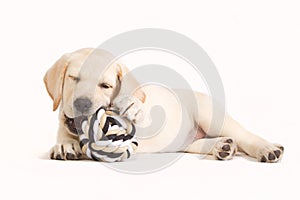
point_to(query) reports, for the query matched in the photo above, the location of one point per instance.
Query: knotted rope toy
(106, 136)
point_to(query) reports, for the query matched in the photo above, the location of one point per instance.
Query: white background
(254, 44)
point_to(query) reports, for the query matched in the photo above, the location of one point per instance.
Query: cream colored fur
(68, 80)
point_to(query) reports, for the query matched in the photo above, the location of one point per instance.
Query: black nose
(82, 104)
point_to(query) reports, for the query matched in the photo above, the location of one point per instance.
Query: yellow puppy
(80, 83)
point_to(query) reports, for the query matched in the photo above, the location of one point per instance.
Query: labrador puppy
(81, 82)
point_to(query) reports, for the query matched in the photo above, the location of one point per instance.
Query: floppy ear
(129, 85)
(54, 80)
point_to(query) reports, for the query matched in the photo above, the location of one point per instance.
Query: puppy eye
(105, 85)
(74, 78)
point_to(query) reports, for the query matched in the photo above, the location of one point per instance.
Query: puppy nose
(82, 104)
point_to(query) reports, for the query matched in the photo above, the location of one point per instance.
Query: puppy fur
(81, 82)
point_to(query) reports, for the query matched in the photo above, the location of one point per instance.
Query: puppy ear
(129, 85)
(54, 80)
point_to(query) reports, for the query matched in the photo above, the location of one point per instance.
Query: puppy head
(81, 81)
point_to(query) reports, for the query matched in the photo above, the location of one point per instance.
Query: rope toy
(106, 136)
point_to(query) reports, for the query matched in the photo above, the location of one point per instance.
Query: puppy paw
(66, 151)
(130, 107)
(225, 149)
(270, 153)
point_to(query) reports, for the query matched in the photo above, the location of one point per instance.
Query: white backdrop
(255, 46)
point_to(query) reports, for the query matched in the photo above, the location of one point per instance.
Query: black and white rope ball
(106, 136)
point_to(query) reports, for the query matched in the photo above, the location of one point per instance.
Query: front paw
(68, 150)
(270, 153)
(131, 108)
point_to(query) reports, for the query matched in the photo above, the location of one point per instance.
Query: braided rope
(107, 137)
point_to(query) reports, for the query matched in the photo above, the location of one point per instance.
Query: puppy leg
(67, 146)
(222, 148)
(252, 144)
(249, 143)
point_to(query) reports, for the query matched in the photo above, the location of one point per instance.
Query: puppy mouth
(75, 124)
